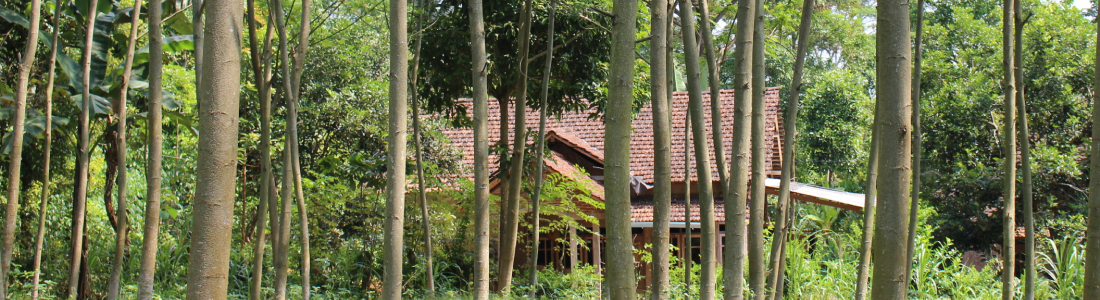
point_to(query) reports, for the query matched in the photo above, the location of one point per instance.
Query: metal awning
(820, 195)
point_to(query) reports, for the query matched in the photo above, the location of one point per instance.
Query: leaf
(100, 105)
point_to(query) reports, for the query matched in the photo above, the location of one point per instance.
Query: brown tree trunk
(1008, 246)
(481, 151)
(894, 118)
(44, 204)
(914, 204)
(509, 231)
(1025, 154)
(217, 153)
(12, 207)
(421, 192)
(757, 196)
(81, 193)
(779, 237)
(395, 158)
(662, 147)
(621, 283)
(538, 159)
(122, 239)
(261, 69)
(1092, 244)
(735, 191)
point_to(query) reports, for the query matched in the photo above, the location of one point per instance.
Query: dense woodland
(213, 149)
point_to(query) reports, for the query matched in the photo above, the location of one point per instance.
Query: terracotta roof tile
(584, 132)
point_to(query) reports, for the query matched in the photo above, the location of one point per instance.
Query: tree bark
(261, 70)
(735, 191)
(621, 283)
(716, 105)
(687, 207)
(914, 204)
(869, 207)
(758, 198)
(421, 192)
(395, 158)
(198, 36)
(1008, 247)
(481, 150)
(510, 230)
(707, 279)
(779, 236)
(1092, 240)
(300, 55)
(123, 238)
(12, 208)
(80, 198)
(1025, 154)
(662, 147)
(281, 258)
(893, 83)
(217, 153)
(44, 204)
(539, 157)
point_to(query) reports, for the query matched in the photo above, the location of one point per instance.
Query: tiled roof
(587, 133)
(642, 210)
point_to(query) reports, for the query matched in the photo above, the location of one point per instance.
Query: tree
(1008, 276)
(12, 207)
(261, 69)
(80, 198)
(757, 273)
(295, 90)
(280, 260)
(123, 237)
(736, 188)
(509, 213)
(620, 255)
(698, 128)
(481, 150)
(779, 236)
(48, 136)
(395, 159)
(539, 157)
(155, 141)
(869, 206)
(1026, 187)
(217, 153)
(421, 189)
(914, 204)
(1092, 261)
(894, 121)
(662, 145)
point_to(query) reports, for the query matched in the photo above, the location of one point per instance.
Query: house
(575, 141)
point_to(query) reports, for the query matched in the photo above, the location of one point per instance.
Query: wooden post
(572, 248)
(596, 259)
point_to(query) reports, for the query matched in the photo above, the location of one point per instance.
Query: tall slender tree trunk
(662, 147)
(783, 253)
(217, 159)
(894, 118)
(510, 230)
(914, 204)
(1025, 154)
(80, 198)
(300, 55)
(707, 279)
(123, 238)
(481, 150)
(1092, 240)
(12, 208)
(735, 191)
(621, 283)
(779, 235)
(282, 251)
(395, 158)
(155, 140)
(758, 198)
(261, 70)
(1008, 247)
(869, 207)
(421, 192)
(198, 36)
(716, 104)
(44, 204)
(687, 207)
(544, 93)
